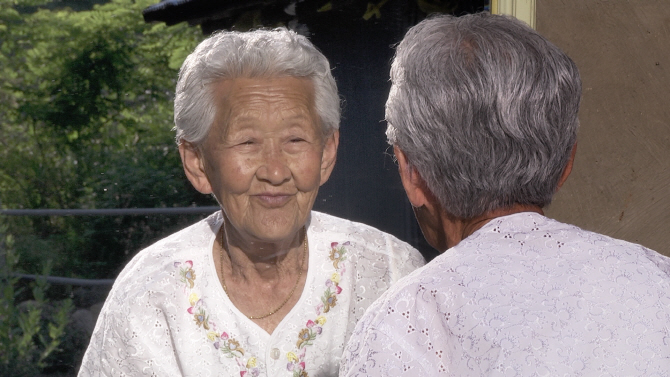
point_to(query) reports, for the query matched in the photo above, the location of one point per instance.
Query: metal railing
(109, 211)
(98, 212)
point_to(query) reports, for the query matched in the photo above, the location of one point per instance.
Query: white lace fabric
(523, 296)
(167, 314)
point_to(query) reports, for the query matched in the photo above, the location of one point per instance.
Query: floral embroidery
(314, 328)
(296, 365)
(223, 342)
(308, 334)
(329, 300)
(201, 319)
(251, 362)
(187, 274)
(231, 348)
(338, 254)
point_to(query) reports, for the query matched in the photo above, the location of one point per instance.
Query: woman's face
(265, 156)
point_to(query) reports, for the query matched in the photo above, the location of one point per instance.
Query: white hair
(485, 109)
(256, 54)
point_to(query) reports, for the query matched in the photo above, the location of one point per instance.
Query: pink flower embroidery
(314, 328)
(225, 343)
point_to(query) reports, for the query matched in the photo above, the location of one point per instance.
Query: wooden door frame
(521, 9)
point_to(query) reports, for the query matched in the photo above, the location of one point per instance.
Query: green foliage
(29, 335)
(85, 120)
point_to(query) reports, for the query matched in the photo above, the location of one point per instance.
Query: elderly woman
(482, 115)
(266, 286)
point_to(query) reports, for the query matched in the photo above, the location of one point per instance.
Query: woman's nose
(274, 168)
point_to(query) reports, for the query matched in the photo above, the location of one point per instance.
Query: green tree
(85, 120)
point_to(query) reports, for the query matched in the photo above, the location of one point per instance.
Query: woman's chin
(275, 228)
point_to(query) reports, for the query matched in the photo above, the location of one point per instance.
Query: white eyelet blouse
(167, 314)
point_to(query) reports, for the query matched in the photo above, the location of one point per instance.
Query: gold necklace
(302, 264)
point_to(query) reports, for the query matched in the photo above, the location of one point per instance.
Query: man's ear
(194, 167)
(568, 167)
(415, 186)
(329, 155)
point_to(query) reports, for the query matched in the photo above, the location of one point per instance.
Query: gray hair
(256, 54)
(485, 109)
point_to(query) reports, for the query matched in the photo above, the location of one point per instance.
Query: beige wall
(620, 184)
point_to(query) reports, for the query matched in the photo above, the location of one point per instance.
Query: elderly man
(482, 116)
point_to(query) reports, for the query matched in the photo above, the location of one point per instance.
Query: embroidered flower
(304, 337)
(337, 254)
(231, 348)
(329, 300)
(334, 253)
(188, 274)
(298, 368)
(224, 342)
(234, 345)
(314, 328)
(251, 362)
(192, 299)
(254, 372)
(201, 319)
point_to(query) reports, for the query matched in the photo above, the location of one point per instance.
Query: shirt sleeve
(377, 353)
(395, 338)
(130, 340)
(404, 260)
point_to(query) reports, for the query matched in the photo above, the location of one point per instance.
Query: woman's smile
(273, 200)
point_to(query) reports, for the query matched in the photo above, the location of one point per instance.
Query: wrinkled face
(265, 156)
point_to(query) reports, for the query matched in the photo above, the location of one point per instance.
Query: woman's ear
(414, 185)
(194, 167)
(329, 155)
(568, 167)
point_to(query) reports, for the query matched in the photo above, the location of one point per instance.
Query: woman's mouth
(273, 200)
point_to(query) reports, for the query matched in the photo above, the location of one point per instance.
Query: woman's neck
(253, 259)
(456, 229)
(264, 280)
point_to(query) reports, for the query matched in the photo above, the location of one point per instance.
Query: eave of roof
(194, 11)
